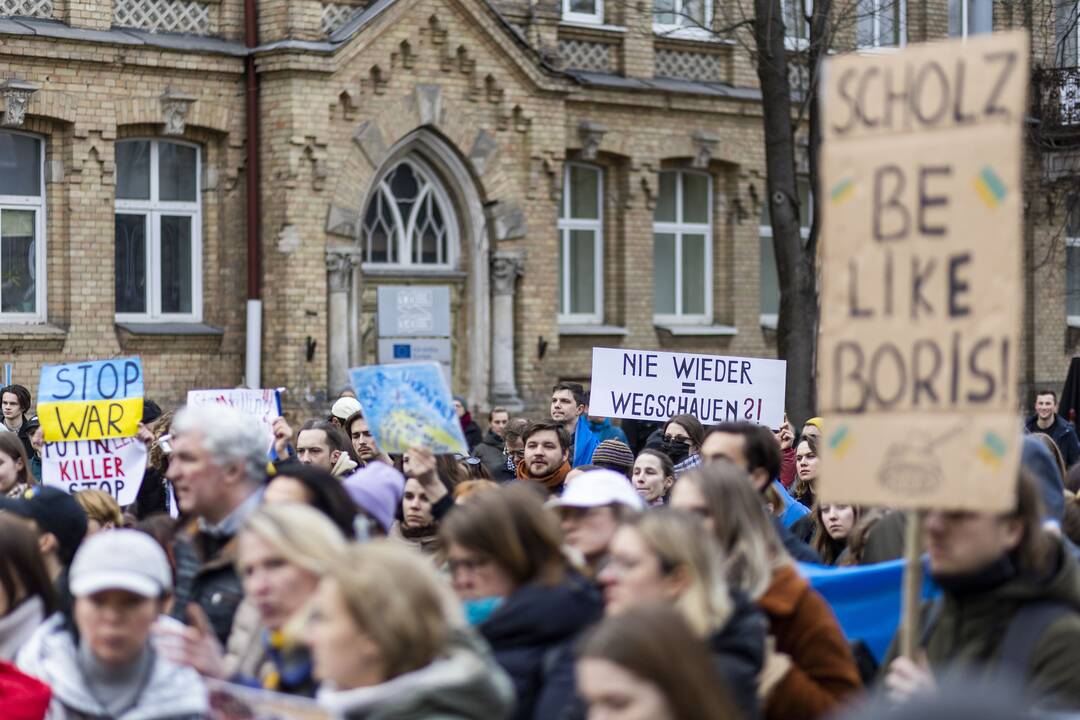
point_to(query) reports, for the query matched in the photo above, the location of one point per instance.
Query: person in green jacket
(1010, 605)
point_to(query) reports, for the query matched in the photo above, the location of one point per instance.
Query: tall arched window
(409, 220)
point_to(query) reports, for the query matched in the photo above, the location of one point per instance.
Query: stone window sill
(39, 336)
(769, 321)
(572, 25)
(700, 330)
(166, 337)
(414, 273)
(1073, 321)
(593, 330)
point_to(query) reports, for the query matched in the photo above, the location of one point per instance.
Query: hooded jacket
(464, 685)
(490, 452)
(172, 692)
(532, 634)
(1063, 434)
(738, 650)
(823, 670)
(969, 631)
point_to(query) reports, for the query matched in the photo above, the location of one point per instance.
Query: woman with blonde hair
(397, 650)
(666, 556)
(102, 511)
(283, 550)
(811, 669)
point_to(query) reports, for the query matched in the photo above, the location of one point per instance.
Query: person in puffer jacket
(99, 661)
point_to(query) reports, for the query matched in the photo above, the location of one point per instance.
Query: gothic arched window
(409, 220)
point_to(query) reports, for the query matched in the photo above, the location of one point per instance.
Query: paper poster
(650, 385)
(91, 400)
(115, 466)
(238, 702)
(407, 405)
(921, 261)
(263, 406)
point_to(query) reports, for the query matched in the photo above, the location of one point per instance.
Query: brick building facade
(573, 174)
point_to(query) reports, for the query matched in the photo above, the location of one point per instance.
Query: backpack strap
(1026, 628)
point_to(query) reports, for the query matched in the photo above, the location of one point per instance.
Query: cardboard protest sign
(408, 404)
(649, 385)
(262, 406)
(91, 400)
(921, 274)
(114, 466)
(239, 702)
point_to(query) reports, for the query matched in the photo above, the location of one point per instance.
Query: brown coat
(823, 670)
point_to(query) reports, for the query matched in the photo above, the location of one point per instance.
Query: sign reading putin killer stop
(91, 400)
(921, 290)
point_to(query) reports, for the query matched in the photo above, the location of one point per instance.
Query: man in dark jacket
(217, 466)
(469, 428)
(1046, 420)
(1010, 604)
(491, 450)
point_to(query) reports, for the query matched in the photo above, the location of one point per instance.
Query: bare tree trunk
(796, 331)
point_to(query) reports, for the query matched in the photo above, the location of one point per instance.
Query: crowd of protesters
(564, 568)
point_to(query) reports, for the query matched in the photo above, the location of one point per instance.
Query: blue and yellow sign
(91, 400)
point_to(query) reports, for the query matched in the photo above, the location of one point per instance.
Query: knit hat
(816, 422)
(377, 489)
(613, 454)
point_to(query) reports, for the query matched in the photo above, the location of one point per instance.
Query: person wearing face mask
(591, 509)
(646, 664)
(653, 476)
(283, 550)
(386, 641)
(99, 661)
(522, 593)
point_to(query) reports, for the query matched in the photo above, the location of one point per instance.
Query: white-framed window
(796, 25)
(583, 11)
(970, 17)
(682, 248)
(1072, 261)
(1067, 32)
(682, 17)
(22, 227)
(769, 278)
(158, 231)
(581, 245)
(880, 24)
(409, 220)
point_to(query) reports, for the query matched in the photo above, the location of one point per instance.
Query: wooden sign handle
(912, 599)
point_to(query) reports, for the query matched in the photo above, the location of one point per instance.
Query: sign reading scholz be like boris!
(921, 288)
(647, 385)
(91, 400)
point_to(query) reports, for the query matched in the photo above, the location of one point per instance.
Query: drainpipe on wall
(253, 349)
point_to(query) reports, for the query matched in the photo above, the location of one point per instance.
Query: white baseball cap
(596, 488)
(120, 560)
(344, 408)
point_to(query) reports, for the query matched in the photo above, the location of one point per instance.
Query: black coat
(490, 452)
(738, 650)
(1063, 434)
(532, 635)
(473, 434)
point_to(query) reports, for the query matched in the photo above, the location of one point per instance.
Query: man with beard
(547, 452)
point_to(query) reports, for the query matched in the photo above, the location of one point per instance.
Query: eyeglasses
(516, 454)
(677, 438)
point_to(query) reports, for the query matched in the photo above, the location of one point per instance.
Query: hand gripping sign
(91, 400)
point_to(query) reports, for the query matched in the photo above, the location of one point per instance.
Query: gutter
(253, 336)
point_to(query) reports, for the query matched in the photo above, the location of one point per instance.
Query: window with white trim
(409, 221)
(1067, 33)
(583, 11)
(796, 25)
(581, 245)
(670, 16)
(970, 17)
(22, 227)
(769, 278)
(880, 23)
(158, 231)
(1072, 261)
(682, 248)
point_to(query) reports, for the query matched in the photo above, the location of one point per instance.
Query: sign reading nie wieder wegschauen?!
(651, 385)
(921, 258)
(91, 400)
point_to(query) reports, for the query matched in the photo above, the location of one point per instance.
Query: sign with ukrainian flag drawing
(408, 404)
(91, 400)
(921, 258)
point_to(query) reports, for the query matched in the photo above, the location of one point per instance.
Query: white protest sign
(652, 385)
(263, 406)
(113, 465)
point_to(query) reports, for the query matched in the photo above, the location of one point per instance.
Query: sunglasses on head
(467, 459)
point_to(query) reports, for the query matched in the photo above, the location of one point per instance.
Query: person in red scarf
(547, 453)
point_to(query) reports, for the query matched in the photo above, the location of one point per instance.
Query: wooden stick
(912, 601)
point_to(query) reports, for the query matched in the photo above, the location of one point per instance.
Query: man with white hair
(217, 467)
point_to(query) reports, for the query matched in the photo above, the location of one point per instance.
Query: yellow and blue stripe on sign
(91, 400)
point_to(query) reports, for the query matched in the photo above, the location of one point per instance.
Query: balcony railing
(1057, 100)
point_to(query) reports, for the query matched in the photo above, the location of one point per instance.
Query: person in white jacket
(100, 662)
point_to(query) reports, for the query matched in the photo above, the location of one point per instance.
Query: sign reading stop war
(112, 466)
(91, 400)
(648, 385)
(921, 287)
